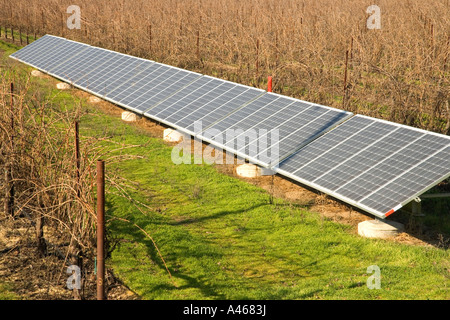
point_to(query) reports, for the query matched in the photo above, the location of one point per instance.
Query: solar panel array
(188, 101)
(375, 165)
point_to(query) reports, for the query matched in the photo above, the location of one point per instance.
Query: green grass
(222, 238)
(230, 243)
(6, 292)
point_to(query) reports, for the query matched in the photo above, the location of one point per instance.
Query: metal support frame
(435, 195)
(416, 207)
(416, 204)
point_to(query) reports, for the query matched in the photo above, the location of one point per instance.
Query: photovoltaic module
(375, 165)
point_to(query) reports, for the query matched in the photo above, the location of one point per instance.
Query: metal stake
(100, 230)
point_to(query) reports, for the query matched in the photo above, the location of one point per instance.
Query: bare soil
(44, 277)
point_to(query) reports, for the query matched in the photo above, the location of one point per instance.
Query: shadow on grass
(180, 253)
(185, 250)
(224, 213)
(218, 215)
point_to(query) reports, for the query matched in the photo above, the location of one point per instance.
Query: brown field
(399, 72)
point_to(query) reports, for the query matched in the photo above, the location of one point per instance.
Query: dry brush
(320, 50)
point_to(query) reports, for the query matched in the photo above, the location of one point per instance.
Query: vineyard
(197, 232)
(319, 51)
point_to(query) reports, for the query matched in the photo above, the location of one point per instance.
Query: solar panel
(207, 100)
(296, 123)
(219, 107)
(373, 164)
(77, 68)
(104, 69)
(243, 118)
(60, 54)
(127, 92)
(38, 46)
(49, 51)
(29, 50)
(105, 79)
(124, 77)
(184, 101)
(152, 92)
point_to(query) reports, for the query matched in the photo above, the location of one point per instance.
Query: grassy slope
(222, 239)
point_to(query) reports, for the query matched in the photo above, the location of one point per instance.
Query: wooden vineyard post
(198, 44)
(150, 37)
(345, 80)
(257, 57)
(9, 183)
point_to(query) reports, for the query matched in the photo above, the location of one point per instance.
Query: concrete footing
(171, 135)
(248, 170)
(381, 229)
(130, 116)
(36, 73)
(94, 99)
(63, 86)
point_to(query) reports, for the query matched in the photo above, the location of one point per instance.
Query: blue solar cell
(187, 99)
(272, 127)
(153, 72)
(38, 46)
(160, 88)
(77, 68)
(49, 52)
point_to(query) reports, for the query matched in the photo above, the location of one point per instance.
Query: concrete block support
(379, 229)
(171, 135)
(63, 86)
(248, 170)
(130, 116)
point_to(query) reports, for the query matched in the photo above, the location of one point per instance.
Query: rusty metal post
(100, 230)
(77, 157)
